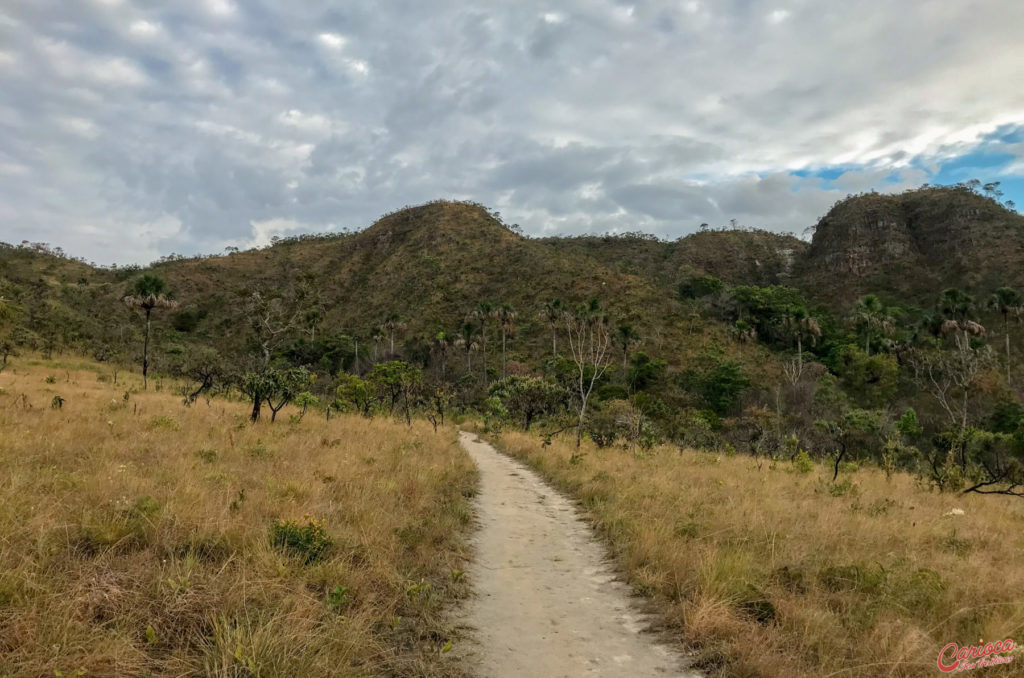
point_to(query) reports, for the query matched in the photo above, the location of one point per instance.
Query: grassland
(763, 570)
(137, 536)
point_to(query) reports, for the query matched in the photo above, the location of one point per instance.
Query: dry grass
(135, 537)
(769, 572)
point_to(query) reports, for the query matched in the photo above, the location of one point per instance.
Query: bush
(802, 462)
(309, 541)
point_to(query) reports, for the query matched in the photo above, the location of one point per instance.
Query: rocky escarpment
(912, 245)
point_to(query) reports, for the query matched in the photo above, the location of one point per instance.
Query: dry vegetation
(764, 570)
(136, 536)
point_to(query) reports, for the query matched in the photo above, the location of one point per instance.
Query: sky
(131, 129)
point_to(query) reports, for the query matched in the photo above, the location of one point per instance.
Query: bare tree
(590, 345)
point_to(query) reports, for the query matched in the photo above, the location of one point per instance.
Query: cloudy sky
(135, 128)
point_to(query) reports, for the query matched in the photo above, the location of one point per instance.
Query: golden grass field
(135, 536)
(761, 570)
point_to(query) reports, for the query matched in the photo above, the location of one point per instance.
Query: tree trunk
(1006, 334)
(503, 352)
(483, 349)
(554, 343)
(145, 354)
(257, 406)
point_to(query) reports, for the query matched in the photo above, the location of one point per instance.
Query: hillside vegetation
(140, 537)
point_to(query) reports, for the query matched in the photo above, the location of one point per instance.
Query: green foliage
(907, 424)
(767, 308)
(149, 285)
(355, 394)
(718, 380)
(528, 398)
(339, 598)
(697, 286)
(802, 462)
(308, 540)
(644, 370)
(870, 380)
(1006, 417)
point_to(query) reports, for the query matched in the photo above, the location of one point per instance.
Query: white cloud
(144, 29)
(332, 40)
(228, 116)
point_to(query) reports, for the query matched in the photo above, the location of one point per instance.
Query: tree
(482, 312)
(506, 321)
(589, 343)
(552, 313)
(440, 346)
(697, 286)
(393, 324)
(626, 338)
(204, 367)
(873, 320)
(150, 293)
(854, 426)
(286, 385)
(956, 305)
(1005, 301)
(467, 342)
(529, 397)
(397, 381)
(7, 313)
(799, 325)
(356, 393)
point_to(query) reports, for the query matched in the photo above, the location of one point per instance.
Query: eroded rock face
(912, 244)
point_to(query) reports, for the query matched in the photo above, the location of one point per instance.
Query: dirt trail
(547, 604)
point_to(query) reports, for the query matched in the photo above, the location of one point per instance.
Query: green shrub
(309, 540)
(802, 462)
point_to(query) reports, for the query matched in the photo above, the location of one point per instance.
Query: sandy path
(547, 604)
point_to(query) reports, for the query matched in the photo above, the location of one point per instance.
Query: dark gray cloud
(134, 128)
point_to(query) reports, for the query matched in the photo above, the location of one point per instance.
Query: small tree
(150, 293)
(589, 343)
(356, 393)
(286, 385)
(529, 397)
(482, 313)
(398, 382)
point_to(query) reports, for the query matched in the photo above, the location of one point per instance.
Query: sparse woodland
(597, 359)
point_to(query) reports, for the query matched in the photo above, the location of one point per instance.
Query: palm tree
(799, 325)
(507, 322)
(956, 304)
(393, 324)
(626, 338)
(1006, 300)
(552, 313)
(442, 342)
(957, 307)
(482, 312)
(873, 319)
(378, 338)
(467, 340)
(150, 293)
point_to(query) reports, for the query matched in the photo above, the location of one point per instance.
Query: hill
(911, 245)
